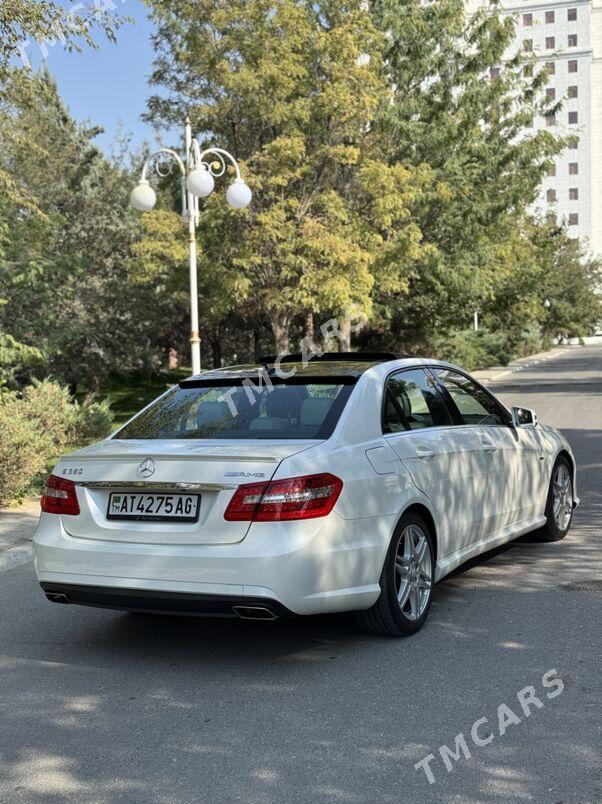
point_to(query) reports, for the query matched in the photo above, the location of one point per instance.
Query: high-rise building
(566, 37)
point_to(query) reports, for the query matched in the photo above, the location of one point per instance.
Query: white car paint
(481, 485)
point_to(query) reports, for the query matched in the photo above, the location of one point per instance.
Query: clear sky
(109, 86)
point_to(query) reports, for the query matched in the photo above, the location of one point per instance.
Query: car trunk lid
(212, 470)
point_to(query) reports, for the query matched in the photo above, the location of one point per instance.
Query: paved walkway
(17, 525)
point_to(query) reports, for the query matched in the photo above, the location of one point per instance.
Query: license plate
(154, 507)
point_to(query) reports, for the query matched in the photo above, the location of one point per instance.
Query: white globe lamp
(239, 194)
(200, 182)
(143, 197)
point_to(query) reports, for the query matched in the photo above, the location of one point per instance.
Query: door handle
(425, 453)
(489, 446)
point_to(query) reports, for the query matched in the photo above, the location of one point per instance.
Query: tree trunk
(280, 327)
(216, 350)
(309, 325)
(345, 329)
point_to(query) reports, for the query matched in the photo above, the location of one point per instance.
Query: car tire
(406, 582)
(558, 519)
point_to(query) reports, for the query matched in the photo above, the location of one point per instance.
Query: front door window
(474, 404)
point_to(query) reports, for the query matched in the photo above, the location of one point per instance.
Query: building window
(573, 91)
(573, 143)
(550, 68)
(494, 73)
(551, 171)
(551, 196)
(574, 193)
(550, 120)
(571, 14)
(572, 65)
(550, 43)
(527, 20)
(573, 168)
(549, 17)
(573, 118)
(573, 219)
(550, 93)
(528, 44)
(572, 40)
(551, 218)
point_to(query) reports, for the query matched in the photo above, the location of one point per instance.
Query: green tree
(570, 281)
(292, 89)
(45, 22)
(463, 107)
(63, 273)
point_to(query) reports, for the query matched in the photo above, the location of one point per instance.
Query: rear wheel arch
(424, 512)
(407, 577)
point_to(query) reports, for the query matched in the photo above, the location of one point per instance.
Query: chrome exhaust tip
(254, 613)
(57, 597)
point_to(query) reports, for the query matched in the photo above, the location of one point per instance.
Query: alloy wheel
(413, 572)
(562, 496)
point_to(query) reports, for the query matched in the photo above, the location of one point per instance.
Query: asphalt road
(97, 706)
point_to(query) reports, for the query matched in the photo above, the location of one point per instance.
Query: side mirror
(523, 417)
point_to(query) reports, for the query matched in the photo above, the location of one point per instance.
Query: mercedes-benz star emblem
(146, 468)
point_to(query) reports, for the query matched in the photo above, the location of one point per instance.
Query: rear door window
(413, 402)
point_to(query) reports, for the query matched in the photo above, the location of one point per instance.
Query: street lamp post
(198, 171)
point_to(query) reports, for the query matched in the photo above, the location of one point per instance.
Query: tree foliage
(63, 274)
(392, 171)
(46, 22)
(471, 128)
(293, 88)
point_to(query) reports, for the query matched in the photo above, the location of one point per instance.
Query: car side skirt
(449, 563)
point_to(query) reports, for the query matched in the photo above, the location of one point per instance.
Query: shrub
(474, 350)
(94, 421)
(22, 450)
(39, 424)
(528, 342)
(49, 405)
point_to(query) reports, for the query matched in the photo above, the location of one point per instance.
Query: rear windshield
(243, 411)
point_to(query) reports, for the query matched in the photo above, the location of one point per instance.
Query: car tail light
(279, 500)
(59, 497)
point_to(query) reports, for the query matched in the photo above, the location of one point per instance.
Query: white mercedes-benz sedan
(352, 482)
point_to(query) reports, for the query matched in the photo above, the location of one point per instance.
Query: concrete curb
(17, 526)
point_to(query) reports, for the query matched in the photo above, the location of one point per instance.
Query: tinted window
(474, 404)
(243, 412)
(413, 402)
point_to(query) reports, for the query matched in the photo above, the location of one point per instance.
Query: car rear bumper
(308, 567)
(152, 601)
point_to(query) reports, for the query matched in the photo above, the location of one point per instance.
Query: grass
(128, 395)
